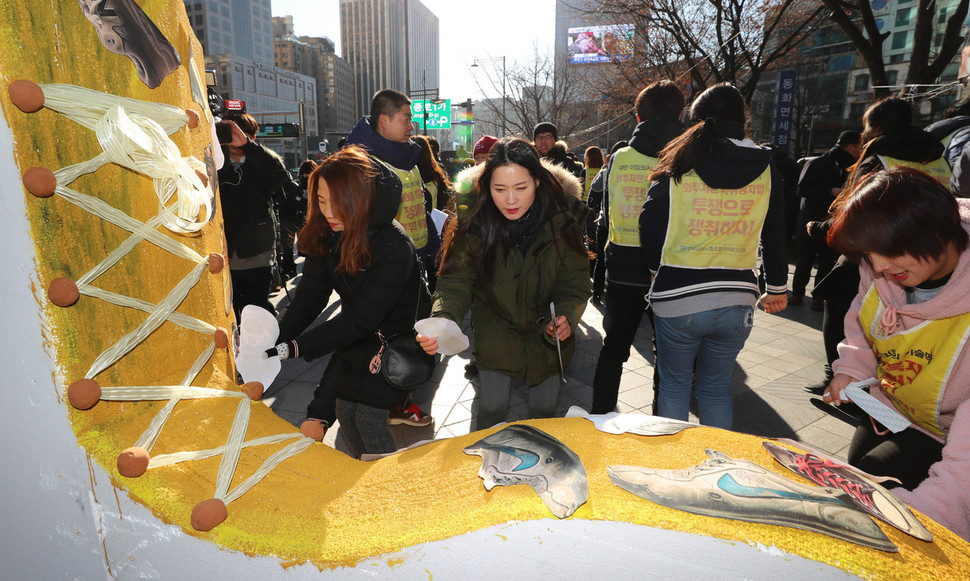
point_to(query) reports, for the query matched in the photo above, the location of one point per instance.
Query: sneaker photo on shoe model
(409, 416)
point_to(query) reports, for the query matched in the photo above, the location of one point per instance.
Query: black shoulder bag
(401, 361)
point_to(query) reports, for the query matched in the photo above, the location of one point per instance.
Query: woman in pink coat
(908, 327)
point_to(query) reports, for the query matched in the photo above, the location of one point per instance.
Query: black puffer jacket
(246, 195)
(819, 177)
(384, 295)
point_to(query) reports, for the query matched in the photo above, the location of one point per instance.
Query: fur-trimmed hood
(467, 180)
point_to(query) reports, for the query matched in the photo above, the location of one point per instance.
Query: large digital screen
(600, 44)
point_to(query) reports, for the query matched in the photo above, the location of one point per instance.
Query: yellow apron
(915, 364)
(938, 168)
(715, 228)
(433, 190)
(589, 174)
(411, 213)
(629, 181)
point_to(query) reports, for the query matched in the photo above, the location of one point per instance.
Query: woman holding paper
(908, 327)
(520, 249)
(355, 248)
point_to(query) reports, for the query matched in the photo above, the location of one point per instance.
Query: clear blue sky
(468, 30)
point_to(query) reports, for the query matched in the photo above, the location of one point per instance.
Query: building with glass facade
(242, 28)
(390, 44)
(237, 39)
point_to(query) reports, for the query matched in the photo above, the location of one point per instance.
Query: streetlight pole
(505, 129)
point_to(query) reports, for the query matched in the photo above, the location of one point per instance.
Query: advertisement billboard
(600, 44)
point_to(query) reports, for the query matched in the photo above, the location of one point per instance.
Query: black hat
(545, 127)
(848, 138)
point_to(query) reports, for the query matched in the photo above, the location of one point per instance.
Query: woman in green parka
(520, 249)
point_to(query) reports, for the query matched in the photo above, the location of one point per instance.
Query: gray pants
(494, 393)
(364, 428)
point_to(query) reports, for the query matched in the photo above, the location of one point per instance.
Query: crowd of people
(689, 222)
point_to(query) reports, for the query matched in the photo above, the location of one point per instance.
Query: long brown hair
(349, 175)
(887, 116)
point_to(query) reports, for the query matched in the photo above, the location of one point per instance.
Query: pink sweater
(945, 495)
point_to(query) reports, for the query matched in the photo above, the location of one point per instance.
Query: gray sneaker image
(125, 29)
(742, 490)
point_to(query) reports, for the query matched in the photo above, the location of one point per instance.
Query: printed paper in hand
(885, 415)
(451, 341)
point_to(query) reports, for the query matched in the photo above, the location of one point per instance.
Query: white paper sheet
(451, 341)
(885, 415)
(258, 332)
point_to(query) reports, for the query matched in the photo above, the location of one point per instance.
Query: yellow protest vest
(629, 180)
(938, 168)
(589, 176)
(915, 364)
(432, 188)
(715, 228)
(411, 213)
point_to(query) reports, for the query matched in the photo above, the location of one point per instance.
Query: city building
(389, 44)
(273, 95)
(242, 28)
(316, 57)
(583, 27)
(833, 87)
(336, 92)
(899, 19)
(237, 40)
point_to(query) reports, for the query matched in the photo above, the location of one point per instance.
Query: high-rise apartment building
(242, 28)
(237, 40)
(389, 44)
(316, 57)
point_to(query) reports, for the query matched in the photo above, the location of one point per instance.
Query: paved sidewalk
(783, 354)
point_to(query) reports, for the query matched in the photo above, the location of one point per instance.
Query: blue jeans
(711, 338)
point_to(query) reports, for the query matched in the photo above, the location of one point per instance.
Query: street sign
(784, 105)
(438, 112)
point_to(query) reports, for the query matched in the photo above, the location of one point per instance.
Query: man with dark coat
(625, 183)
(544, 136)
(821, 181)
(954, 132)
(248, 181)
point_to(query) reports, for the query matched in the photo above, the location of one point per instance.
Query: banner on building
(784, 110)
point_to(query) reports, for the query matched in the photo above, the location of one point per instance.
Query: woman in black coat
(354, 247)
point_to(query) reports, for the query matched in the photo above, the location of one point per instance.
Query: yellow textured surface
(319, 506)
